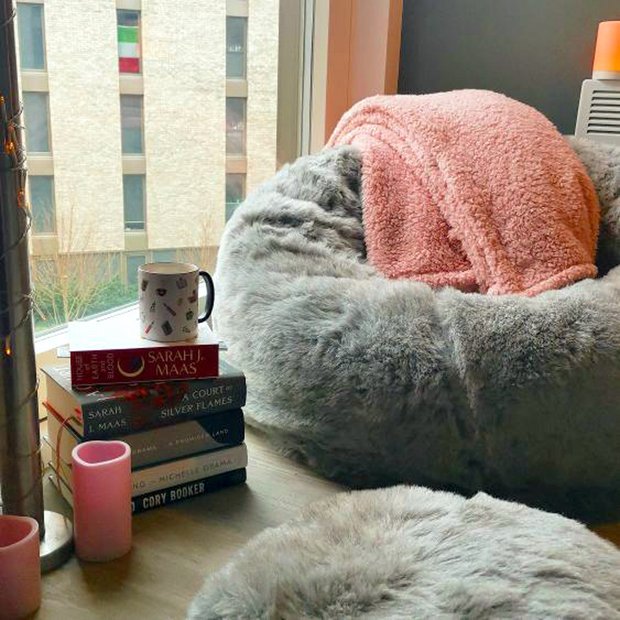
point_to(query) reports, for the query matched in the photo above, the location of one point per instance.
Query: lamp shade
(607, 54)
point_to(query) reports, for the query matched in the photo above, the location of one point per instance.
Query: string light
(29, 456)
(21, 470)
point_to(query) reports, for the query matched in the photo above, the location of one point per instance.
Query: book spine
(180, 492)
(170, 474)
(220, 430)
(123, 416)
(118, 366)
(172, 495)
(205, 434)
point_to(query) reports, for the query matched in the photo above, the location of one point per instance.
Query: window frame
(129, 255)
(142, 178)
(293, 64)
(236, 132)
(41, 5)
(54, 225)
(170, 255)
(231, 206)
(243, 53)
(120, 9)
(139, 98)
(48, 124)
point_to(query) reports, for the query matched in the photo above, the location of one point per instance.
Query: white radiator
(598, 117)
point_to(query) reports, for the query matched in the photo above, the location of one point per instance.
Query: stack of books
(181, 414)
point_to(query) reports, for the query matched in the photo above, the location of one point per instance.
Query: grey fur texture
(408, 552)
(375, 382)
(602, 162)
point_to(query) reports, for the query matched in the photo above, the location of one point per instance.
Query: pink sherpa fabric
(471, 189)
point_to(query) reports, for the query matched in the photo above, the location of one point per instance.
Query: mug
(169, 301)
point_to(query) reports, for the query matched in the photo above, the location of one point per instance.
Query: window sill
(131, 84)
(133, 164)
(136, 241)
(44, 244)
(59, 337)
(40, 164)
(46, 345)
(236, 164)
(34, 80)
(236, 87)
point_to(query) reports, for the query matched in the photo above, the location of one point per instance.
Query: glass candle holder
(101, 472)
(20, 567)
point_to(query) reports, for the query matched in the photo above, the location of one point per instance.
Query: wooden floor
(176, 546)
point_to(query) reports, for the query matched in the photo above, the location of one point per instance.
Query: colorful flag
(128, 49)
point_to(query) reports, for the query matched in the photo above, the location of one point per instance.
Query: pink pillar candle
(20, 567)
(101, 473)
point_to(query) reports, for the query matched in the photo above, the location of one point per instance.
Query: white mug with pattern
(169, 300)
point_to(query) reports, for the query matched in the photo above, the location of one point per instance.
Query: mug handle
(210, 295)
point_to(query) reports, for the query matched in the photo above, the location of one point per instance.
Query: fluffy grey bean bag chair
(408, 552)
(374, 381)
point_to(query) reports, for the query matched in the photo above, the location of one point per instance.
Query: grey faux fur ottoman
(375, 382)
(408, 552)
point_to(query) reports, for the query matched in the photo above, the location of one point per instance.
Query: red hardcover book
(105, 355)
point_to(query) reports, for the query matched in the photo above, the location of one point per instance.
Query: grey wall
(537, 51)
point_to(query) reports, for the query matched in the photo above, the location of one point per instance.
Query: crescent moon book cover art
(101, 356)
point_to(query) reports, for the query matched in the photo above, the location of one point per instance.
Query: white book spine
(173, 473)
(187, 470)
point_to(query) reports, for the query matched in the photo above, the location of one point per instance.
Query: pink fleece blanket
(471, 189)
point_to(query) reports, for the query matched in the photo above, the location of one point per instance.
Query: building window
(133, 201)
(236, 43)
(131, 124)
(133, 261)
(30, 32)
(36, 122)
(128, 37)
(164, 256)
(235, 192)
(42, 204)
(235, 126)
(186, 82)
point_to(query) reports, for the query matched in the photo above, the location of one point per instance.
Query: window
(131, 124)
(235, 126)
(133, 262)
(236, 37)
(36, 122)
(128, 37)
(42, 204)
(163, 82)
(235, 192)
(30, 32)
(164, 256)
(133, 201)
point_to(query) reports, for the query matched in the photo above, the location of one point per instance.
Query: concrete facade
(184, 121)
(262, 90)
(184, 87)
(82, 68)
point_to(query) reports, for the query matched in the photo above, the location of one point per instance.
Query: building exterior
(146, 122)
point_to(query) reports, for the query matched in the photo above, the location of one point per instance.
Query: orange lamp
(598, 116)
(607, 54)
